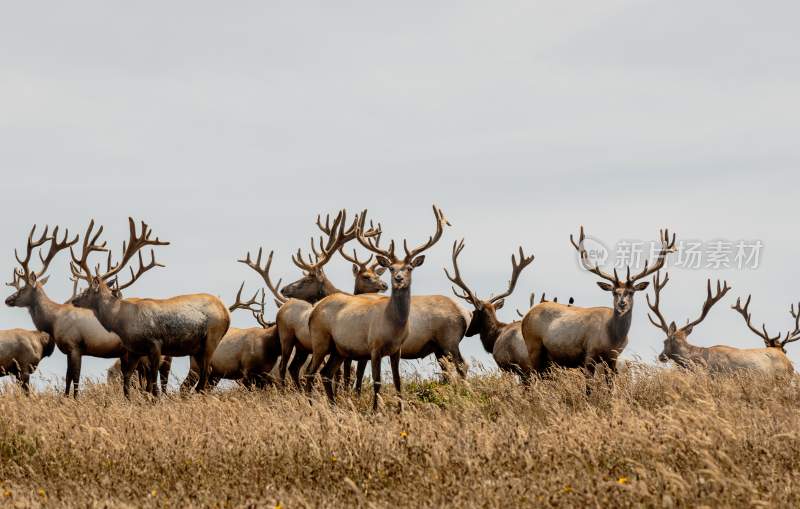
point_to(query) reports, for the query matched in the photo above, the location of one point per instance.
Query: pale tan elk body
(717, 358)
(296, 300)
(244, 355)
(76, 331)
(577, 337)
(368, 327)
(21, 351)
(503, 340)
(190, 325)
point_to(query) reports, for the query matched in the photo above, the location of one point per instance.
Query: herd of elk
(333, 327)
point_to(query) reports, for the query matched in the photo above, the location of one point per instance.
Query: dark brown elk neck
(327, 288)
(109, 313)
(44, 311)
(619, 326)
(48, 342)
(491, 330)
(399, 306)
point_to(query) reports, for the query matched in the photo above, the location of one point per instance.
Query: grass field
(658, 438)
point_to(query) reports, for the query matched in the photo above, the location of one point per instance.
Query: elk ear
(499, 304)
(383, 261)
(672, 329)
(641, 286)
(95, 283)
(356, 268)
(32, 278)
(419, 260)
(688, 329)
(44, 280)
(380, 270)
(605, 286)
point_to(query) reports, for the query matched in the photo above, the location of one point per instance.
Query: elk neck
(399, 306)
(326, 288)
(44, 311)
(492, 327)
(48, 343)
(108, 312)
(619, 326)
(690, 354)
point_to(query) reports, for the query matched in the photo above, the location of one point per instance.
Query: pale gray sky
(229, 127)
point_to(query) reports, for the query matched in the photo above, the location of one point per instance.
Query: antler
(354, 259)
(264, 273)
(16, 281)
(337, 236)
(56, 247)
(667, 247)
(769, 341)
(516, 270)
(585, 259)
(253, 305)
(795, 334)
(441, 221)
(710, 301)
(466, 294)
(658, 285)
(88, 247)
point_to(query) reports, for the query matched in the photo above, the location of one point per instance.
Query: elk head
(105, 288)
(400, 269)
(368, 277)
(676, 345)
(623, 291)
(770, 341)
(314, 284)
(27, 281)
(485, 310)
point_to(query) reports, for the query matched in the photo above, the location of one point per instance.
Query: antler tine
(29, 247)
(56, 247)
(441, 221)
(516, 270)
(467, 294)
(142, 269)
(372, 243)
(658, 285)
(745, 312)
(133, 246)
(335, 234)
(585, 259)
(264, 273)
(667, 246)
(89, 245)
(793, 335)
(354, 259)
(710, 301)
(16, 281)
(248, 305)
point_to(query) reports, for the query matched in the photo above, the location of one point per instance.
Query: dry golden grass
(657, 438)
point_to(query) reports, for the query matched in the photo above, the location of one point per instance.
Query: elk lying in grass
(21, 351)
(368, 327)
(76, 332)
(296, 300)
(718, 358)
(503, 340)
(577, 337)
(772, 342)
(190, 325)
(244, 355)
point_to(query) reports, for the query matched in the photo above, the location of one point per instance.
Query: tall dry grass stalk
(657, 438)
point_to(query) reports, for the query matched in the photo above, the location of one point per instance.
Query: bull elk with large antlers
(503, 340)
(189, 325)
(578, 337)
(76, 332)
(717, 358)
(296, 300)
(368, 327)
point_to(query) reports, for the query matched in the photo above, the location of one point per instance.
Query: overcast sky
(229, 127)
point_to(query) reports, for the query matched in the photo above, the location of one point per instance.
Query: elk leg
(332, 367)
(163, 373)
(69, 376)
(204, 362)
(152, 372)
(395, 363)
(348, 369)
(316, 362)
(24, 378)
(74, 359)
(287, 345)
(361, 366)
(128, 363)
(191, 378)
(375, 359)
(299, 359)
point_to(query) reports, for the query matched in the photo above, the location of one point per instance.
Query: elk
(770, 341)
(190, 325)
(368, 327)
(718, 358)
(245, 355)
(296, 300)
(578, 337)
(21, 351)
(503, 340)
(76, 332)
